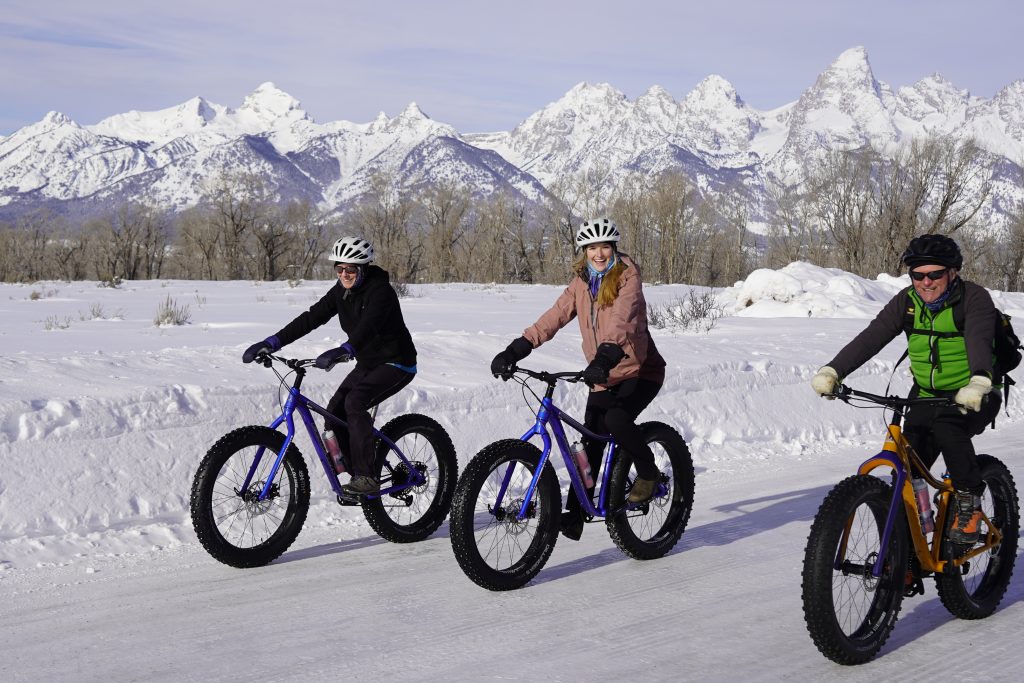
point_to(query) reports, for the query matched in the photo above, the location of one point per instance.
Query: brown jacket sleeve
(556, 317)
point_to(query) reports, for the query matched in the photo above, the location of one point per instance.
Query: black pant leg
(354, 398)
(932, 430)
(614, 411)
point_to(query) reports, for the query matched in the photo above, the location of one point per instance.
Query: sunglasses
(347, 270)
(933, 275)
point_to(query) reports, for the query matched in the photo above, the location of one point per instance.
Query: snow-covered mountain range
(169, 156)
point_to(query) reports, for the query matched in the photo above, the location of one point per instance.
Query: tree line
(856, 211)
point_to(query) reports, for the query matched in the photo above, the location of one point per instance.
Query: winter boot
(571, 524)
(361, 486)
(642, 490)
(966, 518)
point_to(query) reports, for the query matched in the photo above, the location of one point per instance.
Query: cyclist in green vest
(944, 360)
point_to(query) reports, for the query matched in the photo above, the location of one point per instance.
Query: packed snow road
(725, 605)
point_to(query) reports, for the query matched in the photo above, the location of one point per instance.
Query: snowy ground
(104, 417)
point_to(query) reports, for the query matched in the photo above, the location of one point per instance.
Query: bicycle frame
(899, 455)
(552, 416)
(297, 402)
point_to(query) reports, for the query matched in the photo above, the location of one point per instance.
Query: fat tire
(977, 593)
(823, 585)
(293, 478)
(433, 500)
(473, 497)
(633, 531)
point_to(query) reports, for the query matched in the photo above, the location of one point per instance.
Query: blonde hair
(609, 283)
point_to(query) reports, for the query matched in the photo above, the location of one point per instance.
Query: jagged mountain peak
(713, 92)
(931, 98)
(268, 103)
(850, 70)
(412, 111)
(656, 92)
(161, 125)
(56, 118)
(1013, 92)
(586, 89)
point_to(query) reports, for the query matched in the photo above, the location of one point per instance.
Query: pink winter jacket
(623, 323)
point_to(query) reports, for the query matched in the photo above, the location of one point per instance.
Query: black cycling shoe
(571, 525)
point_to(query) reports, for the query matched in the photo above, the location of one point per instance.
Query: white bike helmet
(596, 230)
(352, 250)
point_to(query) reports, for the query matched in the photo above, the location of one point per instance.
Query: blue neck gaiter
(936, 305)
(596, 276)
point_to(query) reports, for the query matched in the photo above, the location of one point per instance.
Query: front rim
(501, 538)
(238, 516)
(857, 596)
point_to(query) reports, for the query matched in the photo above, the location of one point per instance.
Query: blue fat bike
(507, 506)
(250, 495)
(869, 545)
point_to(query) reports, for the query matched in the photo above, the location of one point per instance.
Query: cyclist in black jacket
(367, 307)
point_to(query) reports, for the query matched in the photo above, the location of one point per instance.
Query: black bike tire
(981, 601)
(293, 473)
(818, 589)
(462, 524)
(681, 496)
(447, 473)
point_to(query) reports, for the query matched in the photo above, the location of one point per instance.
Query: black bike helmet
(937, 249)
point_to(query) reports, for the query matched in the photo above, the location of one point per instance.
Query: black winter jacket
(369, 314)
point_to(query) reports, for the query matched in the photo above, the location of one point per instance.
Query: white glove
(970, 396)
(825, 381)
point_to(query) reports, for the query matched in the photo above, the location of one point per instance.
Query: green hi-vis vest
(938, 352)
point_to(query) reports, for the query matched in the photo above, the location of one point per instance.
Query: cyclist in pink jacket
(625, 370)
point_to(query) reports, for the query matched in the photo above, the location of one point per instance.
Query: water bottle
(334, 451)
(582, 463)
(924, 505)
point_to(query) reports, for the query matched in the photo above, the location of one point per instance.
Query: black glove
(503, 363)
(607, 357)
(268, 345)
(331, 357)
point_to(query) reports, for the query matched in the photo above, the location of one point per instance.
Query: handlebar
(267, 359)
(550, 378)
(846, 394)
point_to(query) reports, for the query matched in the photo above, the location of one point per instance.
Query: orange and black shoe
(966, 518)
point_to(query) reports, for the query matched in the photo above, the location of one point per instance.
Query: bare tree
(384, 216)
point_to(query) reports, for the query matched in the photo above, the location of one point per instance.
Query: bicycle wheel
(849, 613)
(651, 529)
(975, 589)
(230, 523)
(495, 549)
(413, 513)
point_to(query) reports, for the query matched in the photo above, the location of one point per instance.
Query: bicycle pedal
(349, 500)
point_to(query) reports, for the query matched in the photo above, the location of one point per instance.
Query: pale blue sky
(480, 66)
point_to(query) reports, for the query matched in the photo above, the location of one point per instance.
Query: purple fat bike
(507, 507)
(250, 495)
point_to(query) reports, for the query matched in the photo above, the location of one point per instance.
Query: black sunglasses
(933, 275)
(348, 270)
